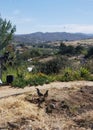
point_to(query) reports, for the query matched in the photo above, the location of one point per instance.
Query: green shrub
(9, 71)
(89, 65)
(53, 66)
(77, 75)
(89, 53)
(68, 75)
(23, 78)
(84, 73)
(71, 75)
(39, 79)
(19, 82)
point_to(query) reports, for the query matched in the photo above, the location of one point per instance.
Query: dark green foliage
(65, 50)
(34, 80)
(23, 56)
(22, 79)
(6, 32)
(35, 52)
(62, 49)
(19, 82)
(70, 50)
(89, 53)
(71, 75)
(79, 49)
(84, 73)
(89, 65)
(53, 66)
(39, 79)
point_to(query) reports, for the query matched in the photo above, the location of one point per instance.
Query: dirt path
(9, 91)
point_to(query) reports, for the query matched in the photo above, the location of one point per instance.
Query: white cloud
(28, 25)
(80, 28)
(83, 28)
(72, 28)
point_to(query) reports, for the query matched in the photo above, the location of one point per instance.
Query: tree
(62, 49)
(79, 49)
(6, 35)
(70, 50)
(54, 65)
(65, 50)
(6, 32)
(89, 53)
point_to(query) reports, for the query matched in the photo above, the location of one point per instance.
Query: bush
(70, 75)
(89, 65)
(66, 50)
(84, 73)
(9, 71)
(19, 82)
(35, 52)
(80, 50)
(53, 66)
(89, 53)
(32, 80)
(39, 79)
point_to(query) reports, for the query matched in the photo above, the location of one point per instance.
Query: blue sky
(49, 15)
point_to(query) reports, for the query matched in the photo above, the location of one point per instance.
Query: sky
(49, 15)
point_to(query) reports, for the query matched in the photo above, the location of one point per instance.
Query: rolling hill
(40, 37)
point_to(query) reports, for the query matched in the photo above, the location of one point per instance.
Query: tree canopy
(6, 35)
(6, 32)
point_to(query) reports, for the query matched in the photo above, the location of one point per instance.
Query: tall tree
(6, 35)
(6, 32)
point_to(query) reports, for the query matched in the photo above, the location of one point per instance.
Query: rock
(13, 125)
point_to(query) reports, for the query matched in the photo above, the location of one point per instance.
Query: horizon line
(54, 32)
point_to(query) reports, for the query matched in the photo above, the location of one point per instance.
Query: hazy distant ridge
(40, 37)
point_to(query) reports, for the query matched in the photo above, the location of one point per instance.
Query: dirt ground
(68, 106)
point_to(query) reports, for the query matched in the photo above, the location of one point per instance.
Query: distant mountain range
(40, 37)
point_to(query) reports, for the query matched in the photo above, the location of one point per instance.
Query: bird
(39, 93)
(46, 93)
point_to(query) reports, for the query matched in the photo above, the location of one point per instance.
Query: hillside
(69, 106)
(40, 37)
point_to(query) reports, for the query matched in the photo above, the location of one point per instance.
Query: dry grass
(74, 114)
(86, 42)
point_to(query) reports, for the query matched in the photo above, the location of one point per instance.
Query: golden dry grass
(77, 117)
(86, 42)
